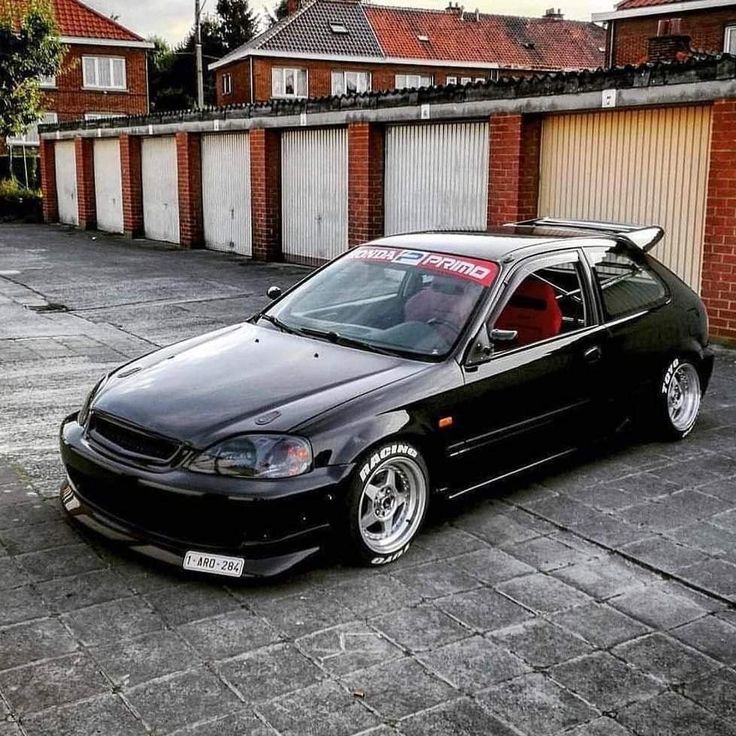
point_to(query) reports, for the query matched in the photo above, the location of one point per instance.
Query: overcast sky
(172, 18)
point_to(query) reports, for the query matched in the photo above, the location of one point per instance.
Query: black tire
(399, 503)
(677, 401)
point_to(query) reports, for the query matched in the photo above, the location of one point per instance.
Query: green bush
(19, 203)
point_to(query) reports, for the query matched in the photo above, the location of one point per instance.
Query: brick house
(103, 74)
(705, 25)
(332, 47)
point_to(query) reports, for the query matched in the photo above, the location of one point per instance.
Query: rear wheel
(387, 503)
(678, 400)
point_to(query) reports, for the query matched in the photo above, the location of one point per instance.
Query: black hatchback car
(415, 366)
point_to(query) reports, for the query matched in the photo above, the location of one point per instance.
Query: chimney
(552, 14)
(292, 6)
(455, 8)
(670, 43)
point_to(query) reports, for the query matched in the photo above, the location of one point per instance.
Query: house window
(729, 41)
(227, 84)
(408, 81)
(103, 72)
(494, 75)
(465, 80)
(451, 80)
(47, 82)
(100, 115)
(480, 79)
(339, 28)
(347, 83)
(286, 82)
(30, 137)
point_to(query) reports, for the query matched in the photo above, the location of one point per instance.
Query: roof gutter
(665, 9)
(450, 64)
(116, 42)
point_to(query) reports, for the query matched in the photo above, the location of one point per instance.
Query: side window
(627, 284)
(550, 301)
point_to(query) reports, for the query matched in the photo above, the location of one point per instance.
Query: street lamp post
(198, 52)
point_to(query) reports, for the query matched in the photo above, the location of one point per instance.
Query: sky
(172, 18)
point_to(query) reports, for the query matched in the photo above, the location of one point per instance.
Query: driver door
(534, 396)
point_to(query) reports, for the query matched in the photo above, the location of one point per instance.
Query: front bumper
(273, 525)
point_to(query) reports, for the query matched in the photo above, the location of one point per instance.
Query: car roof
(494, 244)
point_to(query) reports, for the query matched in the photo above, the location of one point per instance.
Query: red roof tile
(628, 4)
(528, 43)
(77, 20)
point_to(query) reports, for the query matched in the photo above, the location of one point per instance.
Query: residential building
(334, 47)
(103, 73)
(707, 26)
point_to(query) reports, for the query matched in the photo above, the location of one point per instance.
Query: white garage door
(632, 166)
(66, 182)
(108, 186)
(160, 189)
(314, 215)
(436, 177)
(226, 192)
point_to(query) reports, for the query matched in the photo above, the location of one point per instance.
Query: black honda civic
(411, 368)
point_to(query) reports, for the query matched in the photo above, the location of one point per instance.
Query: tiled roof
(77, 20)
(529, 43)
(392, 32)
(629, 4)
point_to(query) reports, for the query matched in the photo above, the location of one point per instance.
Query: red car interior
(532, 311)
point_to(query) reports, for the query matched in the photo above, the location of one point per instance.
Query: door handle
(593, 355)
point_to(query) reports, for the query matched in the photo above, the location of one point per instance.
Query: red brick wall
(513, 179)
(70, 101)
(320, 76)
(189, 161)
(365, 182)
(265, 168)
(705, 27)
(132, 184)
(86, 200)
(719, 247)
(48, 181)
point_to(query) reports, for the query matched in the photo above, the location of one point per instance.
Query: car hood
(242, 379)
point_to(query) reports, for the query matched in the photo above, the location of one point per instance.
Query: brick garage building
(331, 47)
(704, 25)
(103, 73)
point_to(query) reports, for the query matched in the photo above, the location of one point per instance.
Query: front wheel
(678, 402)
(387, 503)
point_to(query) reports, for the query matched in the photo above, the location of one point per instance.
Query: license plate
(214, 564)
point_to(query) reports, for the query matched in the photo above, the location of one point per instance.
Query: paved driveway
(597, 600)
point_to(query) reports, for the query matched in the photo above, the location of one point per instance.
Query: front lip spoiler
(138, 542)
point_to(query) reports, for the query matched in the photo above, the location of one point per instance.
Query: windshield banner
(470, 269)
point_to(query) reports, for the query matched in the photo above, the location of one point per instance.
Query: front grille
(130, 441)
(208, 521)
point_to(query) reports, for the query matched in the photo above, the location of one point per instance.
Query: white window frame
(101, 115)
(413, 81)
(30, 137)
(466, 80)
(282, 71)
(729, 39)
(227, 84)
(494, 75)
(47, 82)
(339, 81)
(98, 61)
(451, 80)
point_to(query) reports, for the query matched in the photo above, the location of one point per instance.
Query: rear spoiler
(642, 237)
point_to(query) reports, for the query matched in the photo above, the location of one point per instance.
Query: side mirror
(274, 292)
(480, 351)
(504, 335)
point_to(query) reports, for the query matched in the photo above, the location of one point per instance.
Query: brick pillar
(130, 165)
(718, 284)
(86, 203)
(48, 181)
(265, 172)
(513, 177)
(365, 182)
(189, 160)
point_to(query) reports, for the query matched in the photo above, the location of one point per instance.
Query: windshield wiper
(276, 322)
(351, 342)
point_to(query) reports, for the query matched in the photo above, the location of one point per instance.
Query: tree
(30, 48)
(278, 13)
(238, 23)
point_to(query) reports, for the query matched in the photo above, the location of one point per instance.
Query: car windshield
(410, 302)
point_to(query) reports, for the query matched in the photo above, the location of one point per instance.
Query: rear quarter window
(628, 285)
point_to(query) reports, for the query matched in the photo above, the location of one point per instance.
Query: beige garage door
(633, 166)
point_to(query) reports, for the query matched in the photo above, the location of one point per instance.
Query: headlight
(83, 415)
(256, 456)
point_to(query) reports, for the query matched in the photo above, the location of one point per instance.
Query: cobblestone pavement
(593, 600)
